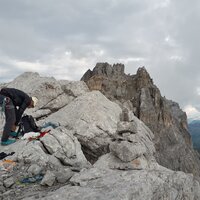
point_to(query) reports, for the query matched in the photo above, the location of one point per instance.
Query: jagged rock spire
(104, 69)
(143, 77)
(90, 125)
(139, 94)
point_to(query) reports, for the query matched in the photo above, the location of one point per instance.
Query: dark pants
(10, 118)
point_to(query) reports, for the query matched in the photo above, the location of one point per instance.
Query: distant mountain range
(194, 129)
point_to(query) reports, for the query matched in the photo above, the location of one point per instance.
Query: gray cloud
(64, 38)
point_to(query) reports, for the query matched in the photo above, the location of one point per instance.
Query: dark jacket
(19, 98)
(1, 99)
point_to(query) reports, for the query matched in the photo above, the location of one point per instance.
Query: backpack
(27, 124)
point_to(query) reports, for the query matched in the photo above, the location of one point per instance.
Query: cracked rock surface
(138, 93)
(100, 150)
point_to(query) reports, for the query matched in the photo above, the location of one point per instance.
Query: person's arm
(22, 108)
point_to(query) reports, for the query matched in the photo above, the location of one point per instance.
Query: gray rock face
(133, 140)
(165, 119)
(93, 120)
(64, 146)
(99, 150)
(34, 170)
(126, 151)
(64, 175)
(48, 179)
(8, 182)
(52, 94)
(128, 185)
(2, 188)
(110, 161)
(63, 149)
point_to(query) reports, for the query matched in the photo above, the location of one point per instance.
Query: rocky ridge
(164, 117)
(100, 150)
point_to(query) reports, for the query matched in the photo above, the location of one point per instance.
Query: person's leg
(1, 100)
(10, 119)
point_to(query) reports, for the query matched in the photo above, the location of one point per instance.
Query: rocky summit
(164, 117)
(109, 136)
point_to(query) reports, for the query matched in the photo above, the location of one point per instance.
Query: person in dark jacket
(13, 103)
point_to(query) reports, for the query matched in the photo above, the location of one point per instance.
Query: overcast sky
(64, 38)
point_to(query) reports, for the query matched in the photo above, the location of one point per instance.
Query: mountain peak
(142, 72)
(139, 94)
(104, 69)
(92, 139)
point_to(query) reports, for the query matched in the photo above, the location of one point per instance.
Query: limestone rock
(138, 185)
(52, 94)
(44, 88)
(75, 88)
(48, 179)
(110, 161)
(64, 146)
(118, 145)
(8, 182)
(2, 188)
(34, 169)
(127, 151)
(93, 119)
(164, 117)
(33, 153)
(132, 146)
(8, 194)
(64, 175)
(124, 127)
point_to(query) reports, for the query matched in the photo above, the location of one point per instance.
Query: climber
(13, 103)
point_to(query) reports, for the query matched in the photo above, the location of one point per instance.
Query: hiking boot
(7, 142)
(13, 134)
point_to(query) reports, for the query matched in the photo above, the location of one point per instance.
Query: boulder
(93, 120)
(8, 182)
(64, 175)
(48, 179)
(35, 169)
(52, 94)
(127, 151)
(62, 144)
